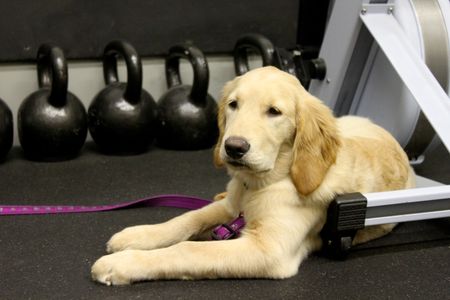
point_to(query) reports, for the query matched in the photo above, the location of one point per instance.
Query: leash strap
(161, 200)
(222, 232)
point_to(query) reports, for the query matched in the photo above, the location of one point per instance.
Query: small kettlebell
(52, 122)
(187, 114)
(122, 117)
(253, 42)
(6, 130)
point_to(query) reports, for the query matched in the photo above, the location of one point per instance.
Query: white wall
(17, 81)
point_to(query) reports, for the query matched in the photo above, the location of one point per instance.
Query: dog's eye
(273, 111)
(233, 104)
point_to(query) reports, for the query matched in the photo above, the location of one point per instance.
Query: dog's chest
(253, 200)
(248, 198)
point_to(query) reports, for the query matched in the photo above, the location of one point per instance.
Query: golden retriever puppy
(288, 157)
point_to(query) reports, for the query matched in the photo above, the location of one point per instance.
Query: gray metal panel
(337, 48)
(428, 93)
(435, 40)
(354, 72)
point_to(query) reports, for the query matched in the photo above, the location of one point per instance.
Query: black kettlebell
(52, 122)
(122, 117)
(253, 42)
(187, 114)
(299, 62)
(6, 130)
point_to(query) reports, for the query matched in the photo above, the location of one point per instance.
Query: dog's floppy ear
(316, 142)
(229, 86)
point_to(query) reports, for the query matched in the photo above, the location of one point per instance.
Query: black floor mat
(49, 256)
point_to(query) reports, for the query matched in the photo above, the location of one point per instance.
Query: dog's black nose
(236, 147)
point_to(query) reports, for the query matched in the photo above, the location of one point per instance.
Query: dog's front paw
(136, 237)
(117, 269)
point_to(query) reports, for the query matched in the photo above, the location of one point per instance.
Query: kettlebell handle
(253, 41)
(134, 68)
(199, 64)
(52, 73)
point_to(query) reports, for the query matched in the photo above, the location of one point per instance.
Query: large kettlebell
(52, 122)
(122, 117)
(6, 130)
(253, 42)
(187, 114)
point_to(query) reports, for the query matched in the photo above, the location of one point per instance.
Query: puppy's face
(257, 119)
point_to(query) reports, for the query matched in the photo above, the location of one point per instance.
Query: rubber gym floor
(49, 256)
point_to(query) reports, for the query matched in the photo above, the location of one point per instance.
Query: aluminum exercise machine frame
(350, 212)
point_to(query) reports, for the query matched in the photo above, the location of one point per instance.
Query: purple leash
(222, 232)
(162, 200)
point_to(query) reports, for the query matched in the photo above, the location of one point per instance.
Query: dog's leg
(220, 196)
(181, 228)
(238, 258)
(266, 249)
(371, 233)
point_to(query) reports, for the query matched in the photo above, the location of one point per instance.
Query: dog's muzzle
(236, 147)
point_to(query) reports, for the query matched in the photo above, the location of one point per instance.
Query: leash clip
(229, 231)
